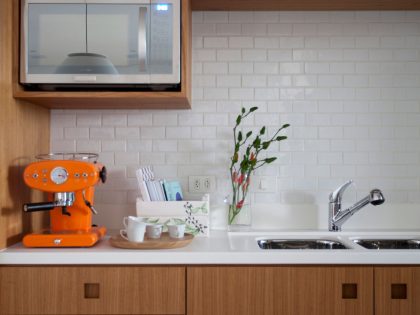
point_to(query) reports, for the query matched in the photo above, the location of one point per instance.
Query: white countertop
(222, 248)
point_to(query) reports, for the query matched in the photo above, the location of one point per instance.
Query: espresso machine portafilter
(69, 179)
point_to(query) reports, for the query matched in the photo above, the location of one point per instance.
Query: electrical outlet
(201, 184)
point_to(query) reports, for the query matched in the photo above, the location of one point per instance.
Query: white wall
(347, 82)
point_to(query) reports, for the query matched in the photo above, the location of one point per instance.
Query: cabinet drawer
(279, 290)
(397, 290)
(92, 290)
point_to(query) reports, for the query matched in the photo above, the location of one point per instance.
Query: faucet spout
(337, 216)
(337, 194)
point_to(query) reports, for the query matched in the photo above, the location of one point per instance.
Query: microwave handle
(142, 39)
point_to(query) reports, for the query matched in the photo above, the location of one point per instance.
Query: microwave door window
(54, 32)
(120, 33)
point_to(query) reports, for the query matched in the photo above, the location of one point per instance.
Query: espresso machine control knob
(103, 174)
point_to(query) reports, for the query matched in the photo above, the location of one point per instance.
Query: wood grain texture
(304, 5)
(277, 290)
(122, 290)
(165, 242)
(384, 278)
(114, 100)
(24, 132)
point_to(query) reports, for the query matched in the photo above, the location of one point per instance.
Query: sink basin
(299, 244)
(389, 243)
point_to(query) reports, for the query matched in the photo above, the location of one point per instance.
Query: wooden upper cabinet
(92, 290)
(304, 5)
(279, 290)
(112, 100)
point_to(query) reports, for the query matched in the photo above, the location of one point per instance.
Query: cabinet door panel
(279, 290)
(397, 290)
(92, 290)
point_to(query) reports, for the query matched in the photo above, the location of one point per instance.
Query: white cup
(176, 230)
(131, 219)
(153, 230)
(134, 232)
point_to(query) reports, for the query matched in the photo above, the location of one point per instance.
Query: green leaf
(243, 110)
(280, 138)
(235, 158)
(240, 136)
(237, 146)
(262, 131)
(270, 160)
(257, 142)
(266, 144)
(253, 109)
(238, 120)
(286, 125)
(249, 133)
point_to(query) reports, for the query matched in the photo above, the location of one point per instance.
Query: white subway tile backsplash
(215, 42)
(63, 120)
(229, 55)
(347, 82)
(228, 29)
(152, 132)
(76, 133)
(241, 42)
(215, 17)
(254, 29)
(114, 120)
(139, 120)
(126, 158)
(89, 120)
(138, 145)
(178, 132)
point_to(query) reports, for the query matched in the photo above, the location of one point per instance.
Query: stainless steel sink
(388, 243)
(299, 244)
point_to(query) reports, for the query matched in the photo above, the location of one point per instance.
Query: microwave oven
(94, 44)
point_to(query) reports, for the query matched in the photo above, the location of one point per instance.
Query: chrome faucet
(337, 216)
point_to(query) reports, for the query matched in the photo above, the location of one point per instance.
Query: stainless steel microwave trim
(173, 78)
(142, 39)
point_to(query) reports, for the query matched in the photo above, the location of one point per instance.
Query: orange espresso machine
(70, 180)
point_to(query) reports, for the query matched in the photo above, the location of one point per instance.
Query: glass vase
(239, 212)
(239, 219)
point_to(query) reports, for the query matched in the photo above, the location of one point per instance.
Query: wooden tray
(165, 242)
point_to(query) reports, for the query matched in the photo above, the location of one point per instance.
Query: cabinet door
(92, 290)
(397, 290)
(279, 290)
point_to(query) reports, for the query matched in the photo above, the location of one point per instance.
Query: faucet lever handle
(337, 194)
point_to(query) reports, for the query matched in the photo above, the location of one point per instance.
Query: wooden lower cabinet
(210, 290)
(92, 290)
(280, 290)
(397, 290)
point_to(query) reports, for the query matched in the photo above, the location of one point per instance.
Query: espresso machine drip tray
(63, 238)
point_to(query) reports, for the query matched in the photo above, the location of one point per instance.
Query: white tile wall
(347, 82)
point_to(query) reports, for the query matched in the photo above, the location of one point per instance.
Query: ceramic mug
(127, 221)
(153, 230)
(176, 230)
(134, 232)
